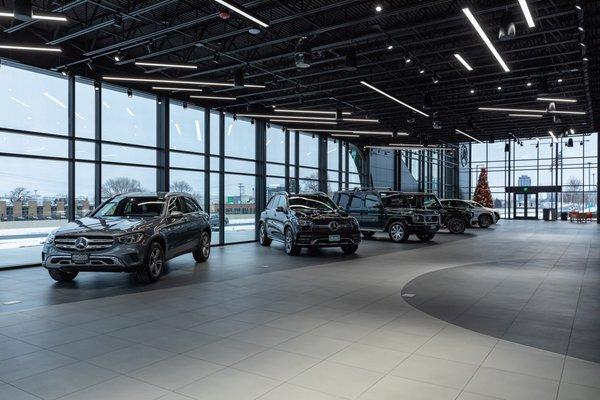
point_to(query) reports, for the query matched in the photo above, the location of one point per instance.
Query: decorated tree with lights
(483, 194)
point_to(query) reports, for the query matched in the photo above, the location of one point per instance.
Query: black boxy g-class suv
(307, 220)
(388, 211)
(134, 232)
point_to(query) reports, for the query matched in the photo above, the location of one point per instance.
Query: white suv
(484, 216)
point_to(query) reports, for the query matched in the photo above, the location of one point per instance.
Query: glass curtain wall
(112, 142)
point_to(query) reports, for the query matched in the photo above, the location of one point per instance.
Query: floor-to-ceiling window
(275, 158)
(308, 161)
(355, 167)
(334, 160)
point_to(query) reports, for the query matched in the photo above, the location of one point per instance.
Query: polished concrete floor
(408, 321)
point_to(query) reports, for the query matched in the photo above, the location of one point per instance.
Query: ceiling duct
(507, 30)
(302, 53)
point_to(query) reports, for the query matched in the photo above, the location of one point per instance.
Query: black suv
(134, 232)
(455, 219)
(388, 211)
(307, 220)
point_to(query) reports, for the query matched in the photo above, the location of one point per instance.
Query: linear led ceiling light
(485, 39)
(213, 98)
(350, 131)
(176, 89)
(295, 121)
(174, 81)
(554, 139)
(518, 110)
(242, 13)
(271, 116)
(463, 62)
(165, 65)
(413, 148)
(49, 17)
(526, 13)
(567, 112)
(347, 135)
(392, 98)
(282, 110)
(467, 135)
(7, 13)
(556, 100)
(29, 48)
(526, 115)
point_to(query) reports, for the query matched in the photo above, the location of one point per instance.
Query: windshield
(418, 201)
(321, 203)
(131, 207)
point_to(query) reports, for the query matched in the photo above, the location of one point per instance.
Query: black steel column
(322, 172)
(287, 161)
(162, 142)
(340, 148)
(206, 204)
(297, 158)
(98, 147)
(71, 168)
(260, 191)
(346, 165)
(221, 177)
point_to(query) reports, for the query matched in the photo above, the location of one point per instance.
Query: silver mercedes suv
(135, 232)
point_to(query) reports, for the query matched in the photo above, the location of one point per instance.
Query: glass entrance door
(526, 205)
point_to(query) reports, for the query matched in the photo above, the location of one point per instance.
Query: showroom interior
(256, 121)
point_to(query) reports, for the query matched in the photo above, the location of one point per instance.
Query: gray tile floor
(312, 327)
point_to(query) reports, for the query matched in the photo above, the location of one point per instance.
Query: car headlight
(305, 222)
(131, 238)
(417, 218)
(354, 222)
(50, 238)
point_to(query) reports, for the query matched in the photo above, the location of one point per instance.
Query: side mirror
(280, 209)
(176, 214)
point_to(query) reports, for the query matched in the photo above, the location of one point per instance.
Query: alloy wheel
(156, 262)
(397, 231)
(205, 245)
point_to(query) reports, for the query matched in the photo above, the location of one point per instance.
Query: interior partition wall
(67, 144)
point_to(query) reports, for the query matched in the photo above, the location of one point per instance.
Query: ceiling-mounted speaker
(23, 10)
(302, 53)
(570, 142)
(238, 78)
(507, 30)
(551, 106)
(351, 64)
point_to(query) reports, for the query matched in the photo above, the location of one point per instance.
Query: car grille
(432, 218)
(94, 243)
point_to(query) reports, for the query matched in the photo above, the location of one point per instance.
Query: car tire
(62, 276)
(485, 221)
(398, 232)
(367, 234)
(425, 237)
(202, 252)
(349, 248)
(153, 264)
(456, 226)
(263, 238)
(290, 248)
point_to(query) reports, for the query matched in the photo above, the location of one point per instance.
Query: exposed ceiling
(429, 32)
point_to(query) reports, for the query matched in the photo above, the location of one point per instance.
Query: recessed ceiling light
(572, 131)
(29, 48)
(559, 80)
(582, 44)
(463, 62)
(580, 28)
(242, 13)
(526, 115)
(472, 91)
(485, 39)
(499, 88)
(165, 65)
(526, 13)
(585, 59)
(558, 100)
(528, 84)
(467, 135)
(577, 6)
(213, 98)
(254, 31)
(393, 98)
(378, 7)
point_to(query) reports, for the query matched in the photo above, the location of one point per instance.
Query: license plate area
(434, 226)
(334, 238)
(80, 258)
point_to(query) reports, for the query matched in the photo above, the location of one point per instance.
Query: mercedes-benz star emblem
(334, 226)
(81, 243)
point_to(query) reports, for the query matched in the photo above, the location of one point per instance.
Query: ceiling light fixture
(559, 80)
(283, 110)
(346, 135)
(243, 13)
(176, 89)
(485, 39)
(118, 57)
(463, 62)
(554, 139)
(165, 65)
(7, 13)
(393, 98)
(378, 7)
(174, 81)
(353, 131)
(49, 17)
(527, 13)
(472, 91)
(567, 112)
(510, 109)
(556, 100)
(526, 115)
(29, 48)
(291, 121)
(467, 135)
(214, 98)
(528, 84)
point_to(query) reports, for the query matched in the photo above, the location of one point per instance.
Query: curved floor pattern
(540, 303)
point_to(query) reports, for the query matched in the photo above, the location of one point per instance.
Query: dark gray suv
(135, 232)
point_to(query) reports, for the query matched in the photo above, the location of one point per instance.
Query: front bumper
(118, 258)
(322, 240)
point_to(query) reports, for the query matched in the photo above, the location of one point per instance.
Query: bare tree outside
(572, 188)
(114, 186)
(181, 186)
(19, 193)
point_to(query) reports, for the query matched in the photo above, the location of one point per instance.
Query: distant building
(524, 180)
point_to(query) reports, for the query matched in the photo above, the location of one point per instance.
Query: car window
(357, 202)
(394, 200)
(371, 201)
(272, 202)
(175, 205)
(281, 202)
(343, 200)
(190, 204)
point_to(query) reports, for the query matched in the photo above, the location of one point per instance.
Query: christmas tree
(483, 194)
